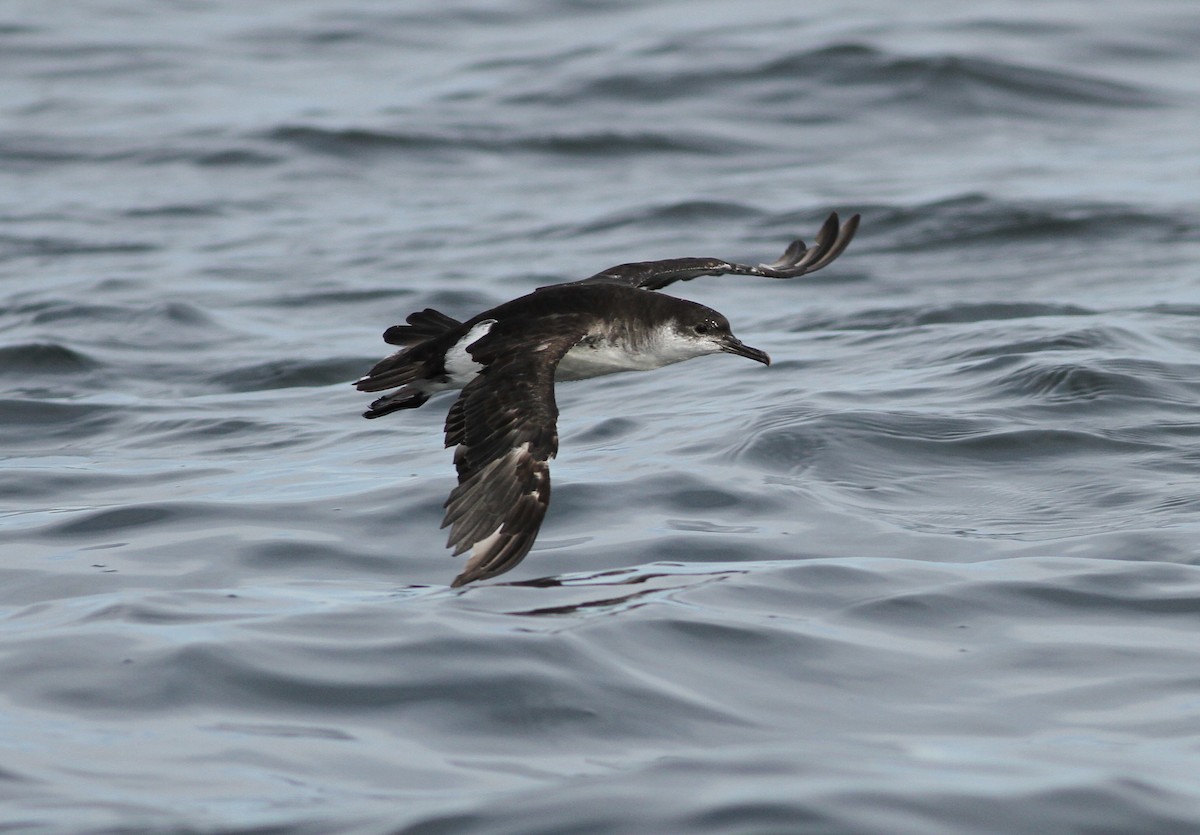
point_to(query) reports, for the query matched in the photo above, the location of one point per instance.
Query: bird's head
(705, 331)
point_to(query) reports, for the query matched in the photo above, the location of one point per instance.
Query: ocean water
(936, 570)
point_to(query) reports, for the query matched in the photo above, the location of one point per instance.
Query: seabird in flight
(506, 361)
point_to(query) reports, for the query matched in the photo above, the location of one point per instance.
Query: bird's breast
(594, 357)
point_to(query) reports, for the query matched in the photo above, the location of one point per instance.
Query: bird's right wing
(796, 261)
(504, 428)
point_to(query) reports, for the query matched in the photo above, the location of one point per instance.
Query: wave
(350, 142)
(667, 215)
(44, 358)
(168, 321)
(980, 219)
(921, 315)
(970, 83)
(290, 373)
(35, 151)
(1094, 338)
(35, 423)
(42, 246)
(1155, 384)
(960, 84)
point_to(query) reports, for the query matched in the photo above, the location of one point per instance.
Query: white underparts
(594, 356)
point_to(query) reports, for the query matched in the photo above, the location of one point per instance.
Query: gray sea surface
(936, 570)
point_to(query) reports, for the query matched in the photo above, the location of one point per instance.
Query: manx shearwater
(506, 361)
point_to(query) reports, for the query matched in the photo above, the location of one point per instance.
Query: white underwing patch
(460, 365)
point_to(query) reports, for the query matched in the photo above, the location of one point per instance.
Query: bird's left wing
(797, 260)
(504, 428)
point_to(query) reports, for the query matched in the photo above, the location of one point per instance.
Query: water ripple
(358, 141)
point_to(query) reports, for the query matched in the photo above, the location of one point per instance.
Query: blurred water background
(935, 570)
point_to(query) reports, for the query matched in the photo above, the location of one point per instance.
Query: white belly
(592, 357)
(596, 359)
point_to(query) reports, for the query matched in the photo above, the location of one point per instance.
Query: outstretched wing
(796, 261)
(504, 425)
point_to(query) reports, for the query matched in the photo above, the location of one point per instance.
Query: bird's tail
(409, 364)
(409, 397)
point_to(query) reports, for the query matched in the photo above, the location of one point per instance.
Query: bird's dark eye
(701, 328)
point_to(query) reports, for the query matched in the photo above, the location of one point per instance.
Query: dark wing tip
(831, 241)
(798, 260)
(497, 516)
(486, 563)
